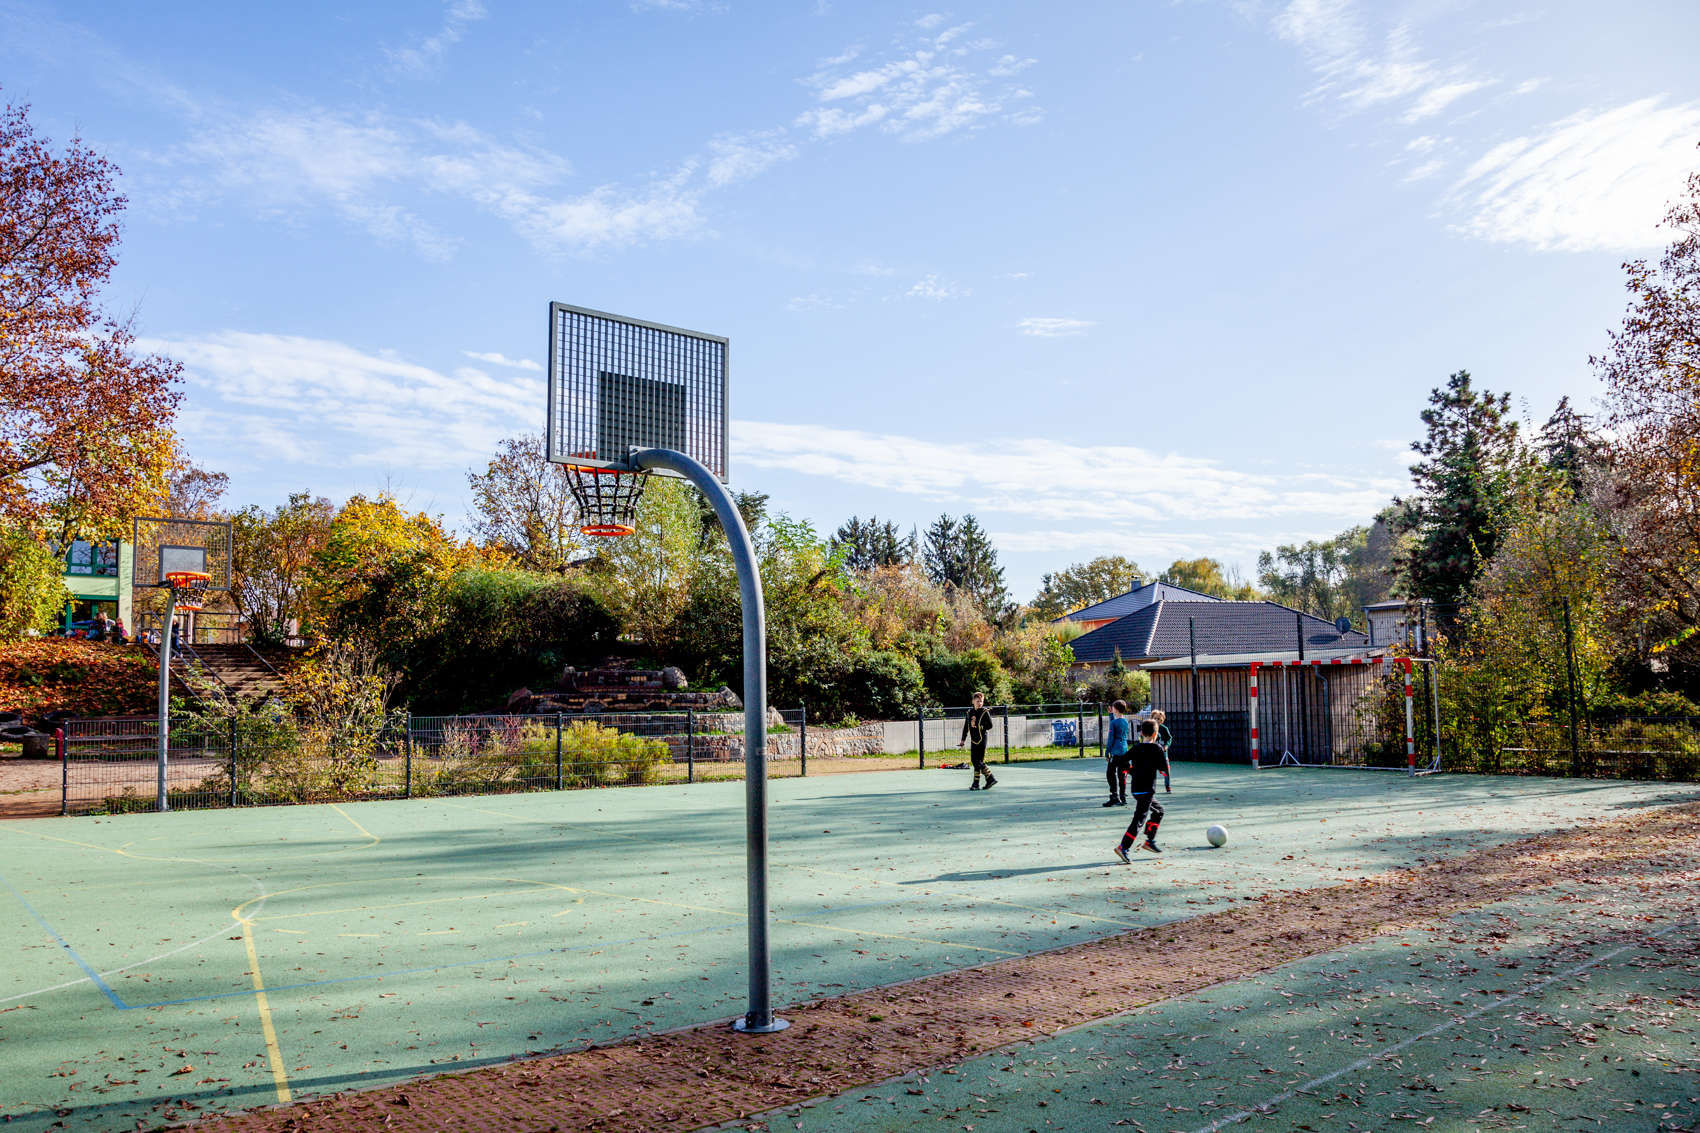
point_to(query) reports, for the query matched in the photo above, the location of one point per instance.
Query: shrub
(32, 586)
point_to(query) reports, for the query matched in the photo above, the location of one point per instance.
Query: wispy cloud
(741, 157)
(925, 92)
(1364, 69)
(1047, 478)
(308, 401)
(423, 61)
(360, 164)
(1594, 181)
(499, 359)
(935, 289)
(1053, 328)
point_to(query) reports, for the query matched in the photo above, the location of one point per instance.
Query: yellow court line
(348, 933)
(280, 1078)
(803, 868)
(437, 932)
(124, 852)
(302, 931)
(356, 825)
(514, 924)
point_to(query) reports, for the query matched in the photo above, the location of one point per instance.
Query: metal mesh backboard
(165, 545)
(617, 384)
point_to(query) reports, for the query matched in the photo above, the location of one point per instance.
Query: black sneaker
(990, 782)
(975, 786)
(1122, 854)
(1112, 802)
(1152, 846)
(1121, 802)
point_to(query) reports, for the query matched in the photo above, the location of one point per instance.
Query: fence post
(558, 781)
(1434, 705)
(64, 773)
(803, 741)
(921, 736)
(1101, 747)
(1570, 677)
(690, 745)
(1006, 733)
(1080, 728)
(1192, 649)
(407, 761)
(233, 761)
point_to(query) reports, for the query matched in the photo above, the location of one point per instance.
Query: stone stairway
(240, 670)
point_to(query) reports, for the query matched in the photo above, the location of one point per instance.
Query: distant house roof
(1159, 632)
(1135, 600)
(1323, 657)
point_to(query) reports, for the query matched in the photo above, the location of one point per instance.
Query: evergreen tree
(873, 544)
(1471, 467)
(1568, 445)
(959, 554)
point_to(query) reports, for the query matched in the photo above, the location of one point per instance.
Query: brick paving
(709, 1076)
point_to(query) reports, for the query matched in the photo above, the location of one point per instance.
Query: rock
(729, 699)
(520, 701)
(38, 746)
(673, 679)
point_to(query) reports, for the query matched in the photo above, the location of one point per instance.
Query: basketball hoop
(187, 587)
(607, 499)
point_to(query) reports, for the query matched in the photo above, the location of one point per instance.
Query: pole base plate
(744, 1026)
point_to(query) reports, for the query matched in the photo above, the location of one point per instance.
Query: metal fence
(111, 765)
(1074, 727)
(1614, 747)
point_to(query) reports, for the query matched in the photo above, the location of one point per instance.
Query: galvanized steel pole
(165, 694)
(759, 1018)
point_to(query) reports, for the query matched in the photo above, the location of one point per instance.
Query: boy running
(1144, 760)
(976, 726)
(1115, 751)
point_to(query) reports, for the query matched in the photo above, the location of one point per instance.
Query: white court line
(1362, 1063)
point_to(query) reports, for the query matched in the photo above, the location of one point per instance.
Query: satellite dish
(1343, 624)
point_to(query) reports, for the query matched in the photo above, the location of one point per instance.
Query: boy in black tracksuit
(976, 726)
(1145, 760)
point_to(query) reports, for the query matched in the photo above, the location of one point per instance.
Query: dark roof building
(1111, 609)
(1159, 631)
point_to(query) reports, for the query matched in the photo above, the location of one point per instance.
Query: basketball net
(187, 588)
(607, 499)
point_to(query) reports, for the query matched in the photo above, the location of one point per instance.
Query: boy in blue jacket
(1115, 754)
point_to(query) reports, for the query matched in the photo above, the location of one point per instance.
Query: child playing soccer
(976, 726)
(1144, 760)
(1115, 752)
(1164, 739)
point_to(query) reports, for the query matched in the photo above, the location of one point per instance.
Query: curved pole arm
(759, 1019)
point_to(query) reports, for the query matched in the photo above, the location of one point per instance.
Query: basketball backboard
(165, 545)
(617, 384)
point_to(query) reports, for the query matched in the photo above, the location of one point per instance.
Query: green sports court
(170, 965)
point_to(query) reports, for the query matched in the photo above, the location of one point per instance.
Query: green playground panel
(396, 939)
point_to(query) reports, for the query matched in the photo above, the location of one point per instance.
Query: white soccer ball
(1217, 835)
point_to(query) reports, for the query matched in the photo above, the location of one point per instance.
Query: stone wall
(824, 743)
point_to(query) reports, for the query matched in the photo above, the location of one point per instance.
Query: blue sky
(1156, 279)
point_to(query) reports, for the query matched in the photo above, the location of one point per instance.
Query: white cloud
(498, 359)
(359, 163)
(1053, 328)
(1426, 169)
(422, 61)
(1594, 181)
(1047, 478)
(813, 303)
(929, 22)
(269, 399)
(932, 288)
(928, 92)
(1363, 73)
(742, 157)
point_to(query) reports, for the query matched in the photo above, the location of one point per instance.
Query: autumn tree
(1331, 578)
(274, 556)
(1208, 576)
(1652, 459)
(85, 420)
(524, 505)
(1084, 584)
